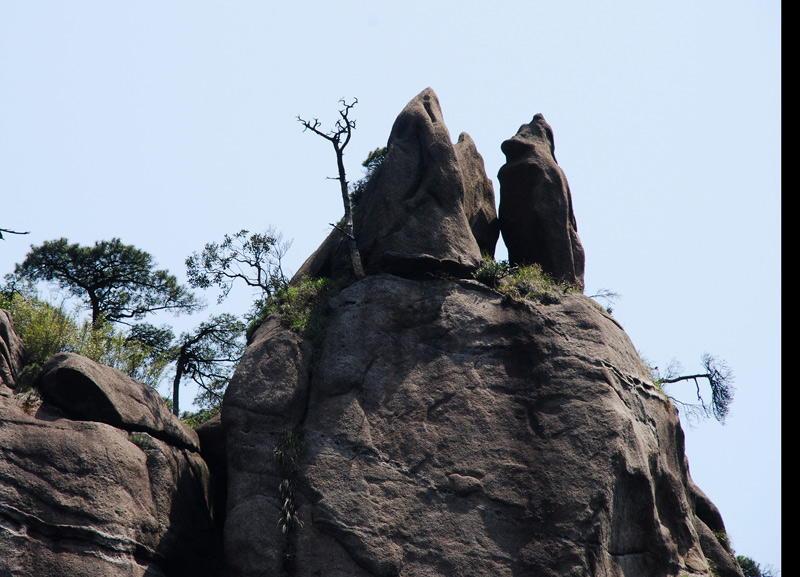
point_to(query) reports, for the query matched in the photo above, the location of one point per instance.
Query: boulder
(88, 391)
(479, 202)
(110, 492)
(536, 217)
(411, 218)
(442, 429)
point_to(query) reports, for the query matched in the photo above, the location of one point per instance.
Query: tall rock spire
(412, 216)
(536, 218)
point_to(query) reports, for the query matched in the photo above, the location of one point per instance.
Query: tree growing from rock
(254, 259)
(339, 137)
(719, 378)
(752, 569)
(208, 355)
(117, 282)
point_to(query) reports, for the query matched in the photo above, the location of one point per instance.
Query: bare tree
(339, 137)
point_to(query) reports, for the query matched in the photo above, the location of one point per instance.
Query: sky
(169, 124)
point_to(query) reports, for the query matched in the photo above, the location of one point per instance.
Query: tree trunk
(355, 255)
(176, 386)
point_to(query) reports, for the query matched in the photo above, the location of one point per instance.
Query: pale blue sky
(168, 124)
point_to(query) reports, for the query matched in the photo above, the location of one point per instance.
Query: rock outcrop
(99, 480)
(449, 432)
(536, 217)
(431, 426)
(411, 217)
(437, 427)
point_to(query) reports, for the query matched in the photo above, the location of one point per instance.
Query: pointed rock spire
(479, 203)
(411, 218)
(536, 218)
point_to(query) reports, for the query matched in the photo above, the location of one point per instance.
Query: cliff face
(450, 432)
(437, 427)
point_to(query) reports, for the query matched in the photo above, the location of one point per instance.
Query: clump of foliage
(752, 569)
(371, 165)
(531, 282)
(251, 258)
(140, 440)
(491, 272)
(287, 455)
(302, 306)
(47, 329)
(522, 282)
(44, 328)
(196, 418)
(116, 282)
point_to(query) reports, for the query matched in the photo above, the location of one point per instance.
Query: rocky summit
(430, 426)
(437, 427)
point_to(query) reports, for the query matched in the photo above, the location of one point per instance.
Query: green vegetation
(287, 455)
(117, 282)
(522, 282)
(140, 440)
(252, 259)
(752, 569)
(302, 307)
(196, 418)
(47, 329)
(491, 272)
(371, 165)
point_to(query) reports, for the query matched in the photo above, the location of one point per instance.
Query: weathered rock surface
(411, 217)
(11, 351)
(449, 432)
(115, 489)
(479, 201)
(88, 391)
(536, 217)
(331, 259)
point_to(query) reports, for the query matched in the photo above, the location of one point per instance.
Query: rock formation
(432, 427)
(411, 217)
(536, 217)
(448, 432)
(101, 479)
(437, 427)
(11, 352)
(479, 203)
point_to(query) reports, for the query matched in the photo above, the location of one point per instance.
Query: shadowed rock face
(451, 433)
(536, 217)
(411, 218)
(11, 351)
(479, 203)
(101, 480)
